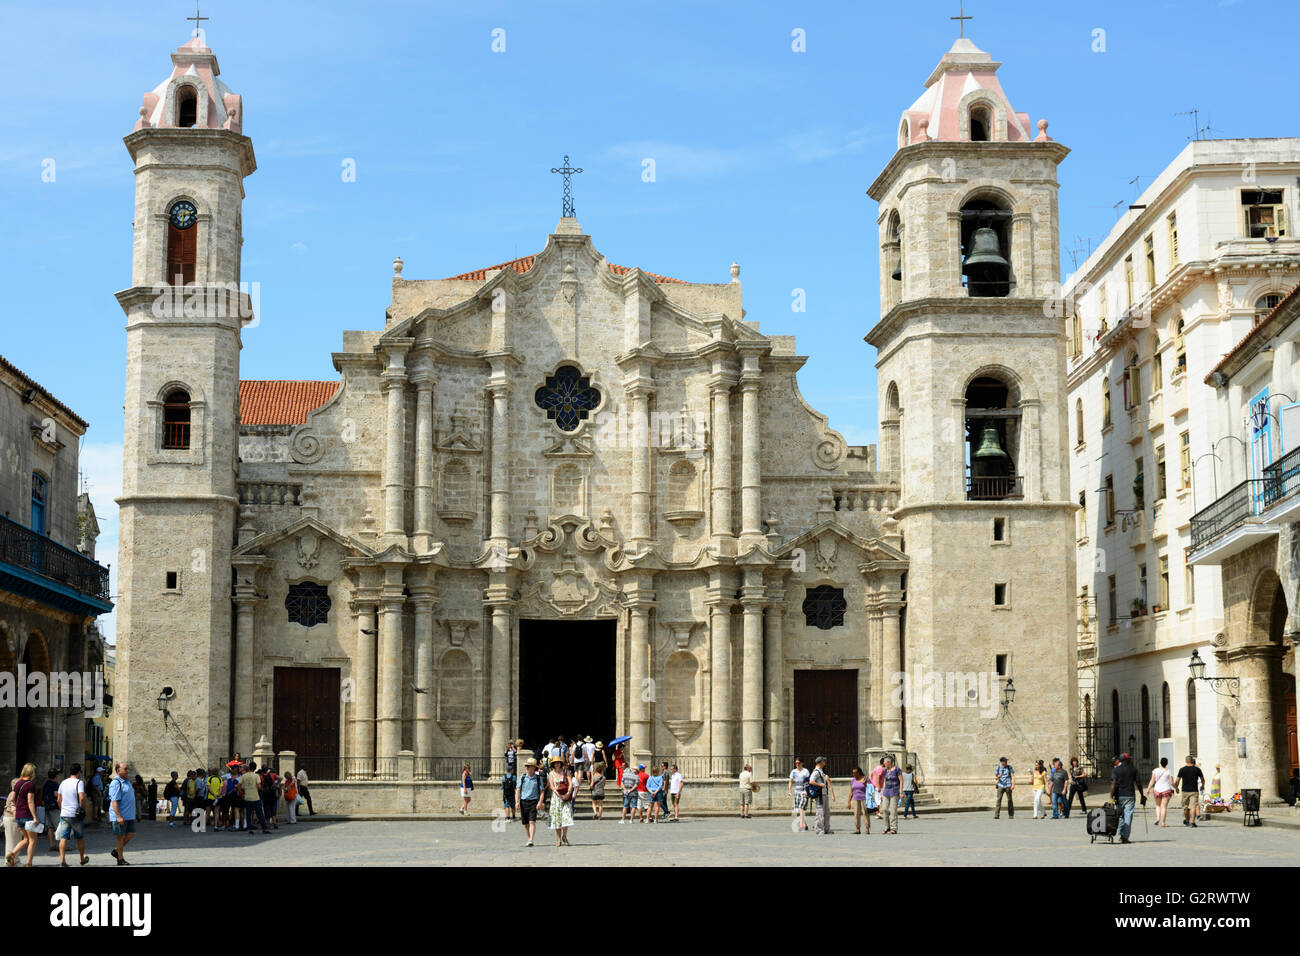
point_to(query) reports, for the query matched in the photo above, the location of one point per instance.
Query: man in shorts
(1190, 782)
(628, 785)
(642, 791)
(675, 784)
(72, 812)
(121, 812)
(528, 796)
(746, 783)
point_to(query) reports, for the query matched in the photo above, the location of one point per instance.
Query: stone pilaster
(891, 663)
(1257, 711)
(246, 600)
(774, 669)
(751, 472)
(364, 609)
(640, 599)
(500, 600)
(424, 535)
(751, 707)
(395, 377)
(639, 392)
(388, 724)
(721, 596)
(424, 598)
(499, 388)
(720, 385)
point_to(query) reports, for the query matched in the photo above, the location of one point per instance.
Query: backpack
(201, 788)
(189, 788)
(816, 784)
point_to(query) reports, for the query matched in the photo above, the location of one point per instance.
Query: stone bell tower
(973, 418)
(185, 309)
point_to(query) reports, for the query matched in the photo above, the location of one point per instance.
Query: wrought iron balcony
(994, 487)
(24, 549)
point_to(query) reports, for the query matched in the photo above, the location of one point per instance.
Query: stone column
(891, 663)
(363, 684)
(640, 600)
(499, 598)
(638, 396)
(751, 701)
(774, 668)
(1255, 667)
(720, 384)
(499, 531)
(751, 478)
(245, 640)
(720, 597)
(424, 599)
(395, 445)
(424, 383)
(389, 720)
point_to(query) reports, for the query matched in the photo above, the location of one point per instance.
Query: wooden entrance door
(1293, 752)
(307, 718)
(826, 718)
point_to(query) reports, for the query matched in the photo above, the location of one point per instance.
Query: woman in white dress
(1162, 785)
(563, 791)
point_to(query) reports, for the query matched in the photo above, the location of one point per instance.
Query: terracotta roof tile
(279, 402)
(524, 263)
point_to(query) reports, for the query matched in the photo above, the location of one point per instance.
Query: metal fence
(1283, 478)
(34, 552)
(698, 767)
(1228, 511)
(1099, 742)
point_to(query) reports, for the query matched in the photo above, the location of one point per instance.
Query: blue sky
(762, 154)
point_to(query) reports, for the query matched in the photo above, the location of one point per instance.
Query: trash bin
(1250, 807)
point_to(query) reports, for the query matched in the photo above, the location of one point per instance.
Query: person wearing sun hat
(563, 789)
(528, 794)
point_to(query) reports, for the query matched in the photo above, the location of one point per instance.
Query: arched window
(1166, 724)
(1265, 304)
(176, 419)
(985, 249)
(182, 243)
(1191, 716)
(187, 107)
(1078, 420)
(39, 490)
(1146, 722)
(991, 441)
(980, 124)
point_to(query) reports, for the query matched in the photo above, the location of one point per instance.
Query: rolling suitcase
(1103, 822)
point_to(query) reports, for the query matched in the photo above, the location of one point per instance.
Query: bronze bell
(897, 274)
(985, 255)
(989, 446)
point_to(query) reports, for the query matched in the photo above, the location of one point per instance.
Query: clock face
(183, 214)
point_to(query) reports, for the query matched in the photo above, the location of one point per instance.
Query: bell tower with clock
(972, 371)
(185, 310)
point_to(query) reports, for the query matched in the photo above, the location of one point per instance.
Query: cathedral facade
(563, 496)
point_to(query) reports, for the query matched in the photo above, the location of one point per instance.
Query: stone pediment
(567, 564)
(569, 446)
(826, 539)
(309, 533)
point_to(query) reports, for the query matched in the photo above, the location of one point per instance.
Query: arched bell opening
(992, 441)
(985, 249)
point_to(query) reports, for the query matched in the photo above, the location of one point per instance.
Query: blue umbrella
(619, 740)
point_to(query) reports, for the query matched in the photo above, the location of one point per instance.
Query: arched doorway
(9, 762)
(35, 730)
(1262, 718)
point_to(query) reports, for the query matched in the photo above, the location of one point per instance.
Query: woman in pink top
(878, 779)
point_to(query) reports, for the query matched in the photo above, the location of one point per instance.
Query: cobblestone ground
(953, 839)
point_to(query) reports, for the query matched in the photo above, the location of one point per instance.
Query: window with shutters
(1149, 257)
(1159, 493)
(1185, 460)
(1171, 226)
(1191, 716)
(1108, 489)
(182, 244)
(1105, 403)
(1128, 282)
(1264, 213)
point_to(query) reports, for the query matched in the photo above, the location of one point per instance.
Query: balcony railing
(1283, 477)
(24, 548)
(1228, 511)
(994, 487)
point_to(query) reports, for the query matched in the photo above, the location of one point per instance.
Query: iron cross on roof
(961, 24)
(567, 171)
(196, 18)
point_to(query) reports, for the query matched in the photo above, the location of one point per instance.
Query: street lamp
(1197, 667)
(1008, 695)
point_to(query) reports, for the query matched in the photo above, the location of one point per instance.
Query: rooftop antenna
(1136, 183)
(1118, 205)
(1196, 122)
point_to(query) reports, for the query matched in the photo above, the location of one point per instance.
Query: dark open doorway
(566, 680)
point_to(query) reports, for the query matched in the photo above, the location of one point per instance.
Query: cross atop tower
(567, 171)
(196, 18)
(961, 18)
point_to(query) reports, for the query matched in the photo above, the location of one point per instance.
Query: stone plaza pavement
(947, 839)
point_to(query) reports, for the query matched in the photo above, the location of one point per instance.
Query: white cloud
(101, 465)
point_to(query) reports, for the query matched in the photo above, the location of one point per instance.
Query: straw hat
(586, 740)
(530, 762)
(557, 759)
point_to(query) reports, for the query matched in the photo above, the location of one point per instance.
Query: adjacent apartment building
(1204, 254)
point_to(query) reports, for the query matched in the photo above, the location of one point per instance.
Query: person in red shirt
(619, 762)
(642, 792)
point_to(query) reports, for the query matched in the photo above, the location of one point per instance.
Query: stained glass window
(824, 606)
(308, 603)
(567, 397)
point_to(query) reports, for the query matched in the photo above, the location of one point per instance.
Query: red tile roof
(277, 402)
(524, 263)
(1288, 302)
